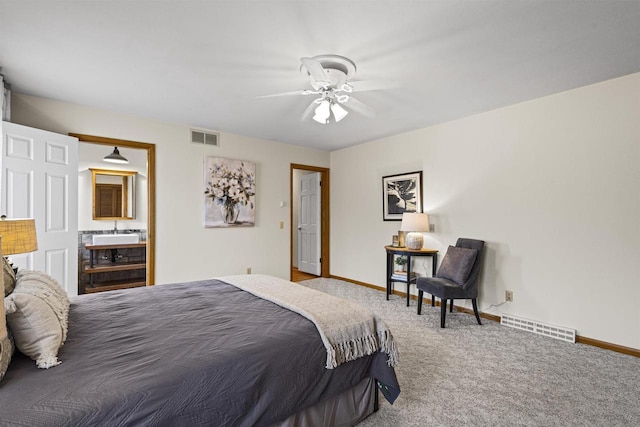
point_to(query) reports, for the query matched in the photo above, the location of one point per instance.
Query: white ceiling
(202, 63)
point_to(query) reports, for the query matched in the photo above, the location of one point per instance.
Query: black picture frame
(401, 193)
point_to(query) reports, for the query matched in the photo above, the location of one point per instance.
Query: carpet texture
(492, 375)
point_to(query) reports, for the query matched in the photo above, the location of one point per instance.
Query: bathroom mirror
(113, 194)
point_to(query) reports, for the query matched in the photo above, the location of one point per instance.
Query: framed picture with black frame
(401, 193)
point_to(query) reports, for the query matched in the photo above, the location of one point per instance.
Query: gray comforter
(199, 353)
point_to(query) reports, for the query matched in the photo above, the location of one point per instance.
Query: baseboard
(580, 339)
(608, 346)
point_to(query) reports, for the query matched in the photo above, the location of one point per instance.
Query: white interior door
(40, 181)
(309, 224)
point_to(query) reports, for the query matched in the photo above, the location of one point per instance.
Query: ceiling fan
(329, 76)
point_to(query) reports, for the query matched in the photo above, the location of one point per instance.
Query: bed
(188, 354)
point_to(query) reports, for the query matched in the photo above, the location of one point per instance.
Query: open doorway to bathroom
(299, 234)
(113, 264)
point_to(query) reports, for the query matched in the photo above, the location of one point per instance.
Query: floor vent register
(552, 331)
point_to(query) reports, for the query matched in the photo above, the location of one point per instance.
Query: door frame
(151, 190)
(324, 217)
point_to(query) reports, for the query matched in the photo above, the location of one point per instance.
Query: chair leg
(443, 312)
(451, 307)
(420, 294)
(433, 301)
(475, 310)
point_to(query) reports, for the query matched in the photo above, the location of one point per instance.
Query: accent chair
(457, 277)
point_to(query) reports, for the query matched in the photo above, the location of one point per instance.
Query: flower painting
(229, 190)
(400, 194)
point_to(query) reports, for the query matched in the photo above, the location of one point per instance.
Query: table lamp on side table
(18, 235)
(414, 224)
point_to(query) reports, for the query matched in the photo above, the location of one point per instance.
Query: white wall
(185, 250)
(552, 185)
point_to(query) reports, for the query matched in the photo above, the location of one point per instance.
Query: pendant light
(115, 157)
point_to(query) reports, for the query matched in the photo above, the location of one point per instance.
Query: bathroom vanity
(115, 263)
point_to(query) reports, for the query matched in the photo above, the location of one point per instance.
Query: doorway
(151, 191)
(297, 169)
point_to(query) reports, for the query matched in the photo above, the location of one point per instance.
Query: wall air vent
(205, 137)
(557, 332)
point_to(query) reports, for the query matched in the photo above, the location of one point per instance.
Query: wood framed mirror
(114, 194)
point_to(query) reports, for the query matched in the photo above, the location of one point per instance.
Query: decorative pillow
(6, 346)
(37, 314)
(9, 276)
(457, 263)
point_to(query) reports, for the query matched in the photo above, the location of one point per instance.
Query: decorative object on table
(400, 194)
(401, 261)
(230, 188)
(18, 235)
(414, 224)
(394, 240)
(401, 276)
(401, 239)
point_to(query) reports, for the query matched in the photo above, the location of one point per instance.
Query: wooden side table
(392, 250)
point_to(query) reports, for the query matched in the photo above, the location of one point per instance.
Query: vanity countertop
(91, 246)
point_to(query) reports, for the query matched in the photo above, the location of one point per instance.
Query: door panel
(309, 224)
(40, 180)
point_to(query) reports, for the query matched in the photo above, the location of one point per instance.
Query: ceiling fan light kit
(329, 76)
(322, 113)
(339, 113)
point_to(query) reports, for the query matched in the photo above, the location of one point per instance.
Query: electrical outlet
(508, 296)
(248, 270)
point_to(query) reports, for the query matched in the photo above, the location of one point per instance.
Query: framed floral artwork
(229, 191)
(401, 193)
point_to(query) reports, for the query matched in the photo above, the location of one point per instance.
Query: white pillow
(37, 313)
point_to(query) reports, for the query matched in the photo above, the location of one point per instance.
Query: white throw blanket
(348, 330)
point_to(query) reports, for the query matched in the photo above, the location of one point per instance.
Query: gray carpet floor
(492, 375)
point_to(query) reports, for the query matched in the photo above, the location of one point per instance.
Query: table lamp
(415, 224)
(18, 235)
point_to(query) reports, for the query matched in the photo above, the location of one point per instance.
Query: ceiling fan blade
(310, 109)
(295, 92)
(359, 107)
(366, 85)
(314, 67)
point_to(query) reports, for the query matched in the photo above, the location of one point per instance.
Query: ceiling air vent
(206, 138)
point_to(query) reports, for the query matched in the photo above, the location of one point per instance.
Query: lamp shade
(115, 157)
(322, 112)
(413, 221)
(339, 113)
(414, 224)
(18, 236)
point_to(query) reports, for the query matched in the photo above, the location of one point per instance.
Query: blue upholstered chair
(457, 277)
